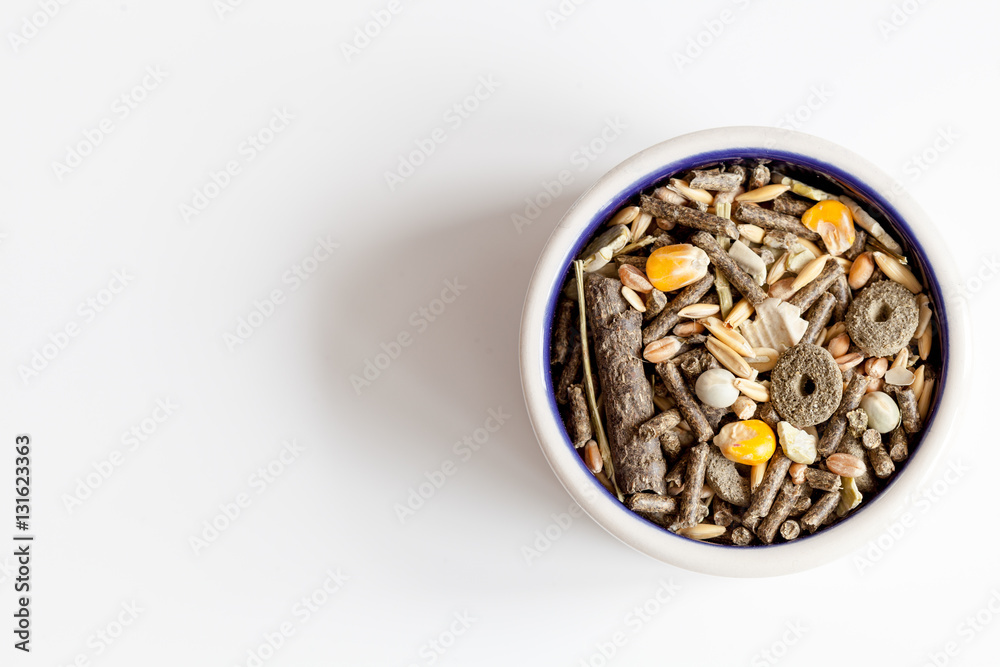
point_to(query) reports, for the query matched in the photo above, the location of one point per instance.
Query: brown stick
(694, 479)
(560, 331)
(822, 480)
(841, 291)
(907, 407)
(763, 497)
(659, 424)
(807, 296)
(768, 219)
(820, 511)
(578, 424)
(570, 372)
(715, 180)
(666, 320)
(686, 403)
(791, 205)
(760, 177)
(899, 447)
(639, 464)
(651, 502)
(739, 278)
(790, 493)
(818, 316)
(688, 217)
(837, 425)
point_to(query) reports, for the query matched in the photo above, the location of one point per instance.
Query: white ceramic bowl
(910, 225)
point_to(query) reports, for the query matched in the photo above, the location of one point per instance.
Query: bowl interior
(813, 171)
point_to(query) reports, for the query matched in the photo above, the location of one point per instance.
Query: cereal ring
(883, 318)
(806, 385)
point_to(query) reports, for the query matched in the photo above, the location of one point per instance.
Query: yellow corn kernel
(675, 266)
(833, 221)
(751, 442)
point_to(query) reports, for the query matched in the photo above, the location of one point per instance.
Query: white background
(885, 91)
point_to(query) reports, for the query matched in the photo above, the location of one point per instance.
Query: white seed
(703, 531)
(902, 359)
(809, 272)
(893, 270)
(670, 196)
(689, 329)
(715, 388)
(740, 313)
(640, 225)
(694, 194)
(752, 232)
(730, 337)
(845, 264)
(924, 344)
(918, 382)
(763, 359)
(778, 269)
(757, 475)
(900, 376)
(625, 216)
(744, 407)
(661, 350)
(754, 390)
(925, 315)
(882, 411)
(810, 246)
(924, 403)
(696, 311)
(765, 193)
(633, 299)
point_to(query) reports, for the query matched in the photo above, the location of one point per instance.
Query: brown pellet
(881, 462)
(694, 479)
(837, 425)
(686, 403)
(669, 318)
(689, 217)
(790, 530)
(715, 180)
(820, 511)
(570, 372)
(651, 502)
(899, 447)
(763, 497)
(822, 480)
(656, 301)
(768, 528)
(560, 331)
(789, 204)
(659, 424)
(737, 277)
(807, 296)
(907, 408)
(578, 425)
(818, 316)
(741, 536)
(753, 214)
(803, 504)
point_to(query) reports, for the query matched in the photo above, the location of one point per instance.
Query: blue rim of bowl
(847, 182)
